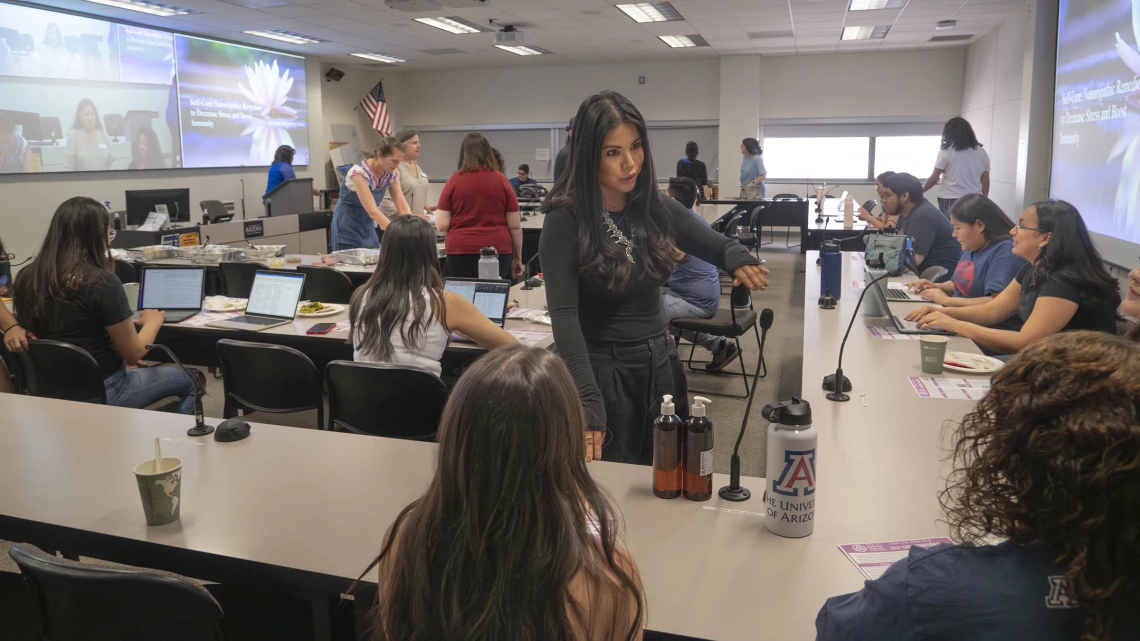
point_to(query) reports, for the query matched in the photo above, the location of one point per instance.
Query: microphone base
(827, 302)
(838, 397)
(200, 430)
(829, 384)
(734, 494)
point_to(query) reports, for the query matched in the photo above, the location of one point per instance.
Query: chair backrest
(74, 602)
(15, 370)
(27, 43)
(741, 297)
(269, 377)
(114, 124)
(126, 272)
(237, 277)
(365, 398)
(786, 197)
(54, 369)
(50, 128)
(730, 228)
(326, 285)
(215, 210)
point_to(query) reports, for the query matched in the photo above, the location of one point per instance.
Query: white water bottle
(489, 263)
(848, 212)
(789, 490)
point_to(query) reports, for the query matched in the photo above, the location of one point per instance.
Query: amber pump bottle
(667, 432)
(698, 453)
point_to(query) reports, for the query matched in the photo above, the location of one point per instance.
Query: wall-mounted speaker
(334, 74)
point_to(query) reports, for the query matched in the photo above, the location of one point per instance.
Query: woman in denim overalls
(357, 211)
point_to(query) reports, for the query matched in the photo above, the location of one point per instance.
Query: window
(823, 158)
(914, 155)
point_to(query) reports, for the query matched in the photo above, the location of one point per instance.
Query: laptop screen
(179, 288)
(490, 296)
(275, 294)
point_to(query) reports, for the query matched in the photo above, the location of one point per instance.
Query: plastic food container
(357, 256)
(153, 252)
(208, 254)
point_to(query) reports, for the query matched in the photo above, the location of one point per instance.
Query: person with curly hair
(1049, 464)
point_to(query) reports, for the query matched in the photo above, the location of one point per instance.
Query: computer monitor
(27, 123)
(142, 201)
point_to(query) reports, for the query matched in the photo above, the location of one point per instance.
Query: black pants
(945, 204)
(467, 266)
(632, 379)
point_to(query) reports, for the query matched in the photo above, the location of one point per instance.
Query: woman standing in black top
(608, 244)
(690, 167)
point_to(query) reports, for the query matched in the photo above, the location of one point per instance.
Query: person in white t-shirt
(962, 167)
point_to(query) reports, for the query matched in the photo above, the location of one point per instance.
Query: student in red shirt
(477, 208)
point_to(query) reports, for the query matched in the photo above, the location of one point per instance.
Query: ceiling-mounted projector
(509, 37)
(432, 5)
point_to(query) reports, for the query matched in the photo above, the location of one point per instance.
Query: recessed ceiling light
(380, 57)
(153, 8)
(651, 12)
(454, 24)
(285, 36)
(865, 33)
(678, 42)
(523, 50)
(871, 5)
(961, 37)
(945, 25)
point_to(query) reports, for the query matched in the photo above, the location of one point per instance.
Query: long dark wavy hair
(394, 294)
(77, 124)
(476, 153)
(1051, 458)
(957, 134)
(513, 526)
(153, 158)
(599, 257)
(974, 207)
(1071, 256)
(74, 250)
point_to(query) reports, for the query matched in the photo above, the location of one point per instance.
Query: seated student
(402, 316)
(1065, 286)
(70, 293)
(884, 221)
(513, 539)
(987, 263)
(523, 179)
(694, 288)
(1049, 461)
(933, 236)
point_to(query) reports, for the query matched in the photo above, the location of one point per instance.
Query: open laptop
(174, 290)
(898, 293)
(490, 296)
(910, 327)
(272, 302)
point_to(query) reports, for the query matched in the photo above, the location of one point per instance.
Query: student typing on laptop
(403, 316)
(174, 290)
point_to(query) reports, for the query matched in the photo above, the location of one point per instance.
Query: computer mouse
(232, 429)
(534, 281)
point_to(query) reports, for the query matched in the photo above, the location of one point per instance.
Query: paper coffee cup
(132, 290)
(932, 349)
(161, 492)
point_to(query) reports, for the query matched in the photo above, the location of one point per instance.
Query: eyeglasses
(1021, 226)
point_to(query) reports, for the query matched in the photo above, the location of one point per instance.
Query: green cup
(161, 491)
(933, 350)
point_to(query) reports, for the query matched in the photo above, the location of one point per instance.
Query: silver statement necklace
(618, 236)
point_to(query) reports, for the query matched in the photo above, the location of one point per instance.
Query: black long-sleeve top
(583, 310)
(696, 170)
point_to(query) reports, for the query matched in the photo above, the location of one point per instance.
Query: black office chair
(786, 197)
(237, 277)
(215, 211)
(326, 285)
(127, 272)
(731, 323)
(50, 128)
(365, 398)
(268, 378)
(54, 369)
(75, 602)
(115, 125)
(15, 373)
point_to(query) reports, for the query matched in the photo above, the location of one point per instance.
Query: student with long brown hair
(478, 207)
(1048, 463)
(70, 293)
(513, 539)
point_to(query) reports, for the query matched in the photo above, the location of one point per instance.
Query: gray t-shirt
(961, 171)
(933, 236)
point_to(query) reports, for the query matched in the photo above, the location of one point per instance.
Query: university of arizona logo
(1059, 597)
(798, 473)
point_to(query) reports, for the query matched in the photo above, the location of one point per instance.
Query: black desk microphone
(200, 428)
(836, 392)
(733, 491)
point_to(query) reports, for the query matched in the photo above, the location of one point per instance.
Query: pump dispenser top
(667, 407)
(698, 406)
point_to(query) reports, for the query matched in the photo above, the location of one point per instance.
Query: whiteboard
(668, 146)
(440, 154)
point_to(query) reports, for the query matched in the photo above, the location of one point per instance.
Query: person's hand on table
(917, 314)
(516, 267)
(16, 338)
(937, 319)
(864, 214)
(935, 295)
(594, 445)
(919, 285)
(751, 276)
(149, 316)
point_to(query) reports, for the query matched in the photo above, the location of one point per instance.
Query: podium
(294, 196)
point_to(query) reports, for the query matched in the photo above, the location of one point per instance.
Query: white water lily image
(268, 91)
(1126, 212)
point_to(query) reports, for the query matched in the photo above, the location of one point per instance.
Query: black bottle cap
(794, 412)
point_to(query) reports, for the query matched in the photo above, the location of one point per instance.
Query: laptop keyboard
(898, 294)
(254, 320)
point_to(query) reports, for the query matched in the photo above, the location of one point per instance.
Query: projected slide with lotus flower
(82, 94)
(1096, 127)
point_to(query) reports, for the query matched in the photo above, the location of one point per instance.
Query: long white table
(295, 505)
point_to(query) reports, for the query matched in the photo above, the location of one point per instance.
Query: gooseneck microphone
(733, 491)
(837, 384)
(200, 428)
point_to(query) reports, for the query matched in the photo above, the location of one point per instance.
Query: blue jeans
(142, 386)
(674, 307)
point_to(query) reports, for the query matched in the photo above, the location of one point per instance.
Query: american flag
(376, 106)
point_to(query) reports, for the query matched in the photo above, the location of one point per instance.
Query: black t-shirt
(1089, 315)
(584, 310)
(82, 319)
(933, 236)
(694, 169)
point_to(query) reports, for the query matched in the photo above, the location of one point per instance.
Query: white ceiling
(574, 31)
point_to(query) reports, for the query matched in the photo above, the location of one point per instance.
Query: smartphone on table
(321, 328)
